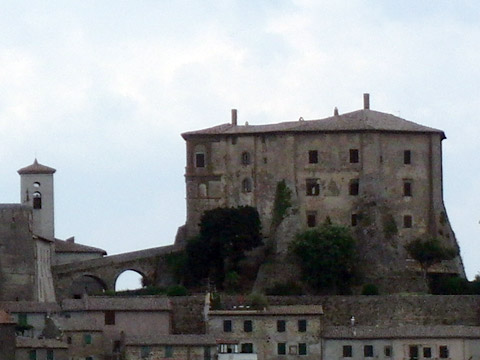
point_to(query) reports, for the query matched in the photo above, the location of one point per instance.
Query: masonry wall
(184, 352)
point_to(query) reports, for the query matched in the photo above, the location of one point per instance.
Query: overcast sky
(101, 90)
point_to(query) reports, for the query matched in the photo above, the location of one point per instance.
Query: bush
(177, 290)
(285, 289)
(370, 289)
(232, 281)
(257, 301)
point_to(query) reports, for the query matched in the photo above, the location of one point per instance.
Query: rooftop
(66, 246)
(100, 303)
(27, 342)
(36, 168)
(272, 310)
(196, 339)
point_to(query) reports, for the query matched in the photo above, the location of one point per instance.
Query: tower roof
(36, 168)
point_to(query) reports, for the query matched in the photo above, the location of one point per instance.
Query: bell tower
(36, 190)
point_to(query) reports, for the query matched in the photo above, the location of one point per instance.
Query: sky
(102, 90)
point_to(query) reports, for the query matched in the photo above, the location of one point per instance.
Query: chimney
(335, 111)
(234, 117)
(71, 239)
(366, 101)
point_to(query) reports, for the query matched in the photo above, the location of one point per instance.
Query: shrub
(177, 290)
(257, 301)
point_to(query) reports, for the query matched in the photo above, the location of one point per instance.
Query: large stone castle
(375, 172)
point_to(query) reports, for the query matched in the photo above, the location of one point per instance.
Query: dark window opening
(281, 325)
(247, 326)
(347, 351)
(116, 346)
(302, 325)
(168, 351)
(311, 219)
(302, 349)
(69, 340)
(354, 187)
(109, 317)
(407, 157)
(200, 160)
(227, 325)
(145, 352)
(427, 352)
(368, 351)
(354, 219)
(207, 353)
(413, 352)
(247, 348)
(443, 352)
(234, 140)
(37, 200)
(50, 354)
(313, 156)
(245, 158)
(32, 355)
(387, 351)
(247, 185)
(313, 187)
(354, 157)
(281, 348)
(407, 188)
(87, 339)
(407, 221)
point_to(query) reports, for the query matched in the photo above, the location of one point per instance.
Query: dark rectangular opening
(313, 187)
(407, 157)
(407, 221)
(407, 188)
(313, 156)
(227, 325)
(354, 156)
(354, 187)
(247, 326)
(281, 325)
(109, 317)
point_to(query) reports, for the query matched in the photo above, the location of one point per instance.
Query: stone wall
(187, 314)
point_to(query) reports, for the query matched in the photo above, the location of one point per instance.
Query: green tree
(326, 256)
(429, 252)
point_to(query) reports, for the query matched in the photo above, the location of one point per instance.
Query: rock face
(377, 173)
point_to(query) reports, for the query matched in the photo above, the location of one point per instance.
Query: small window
(247, 348)
(109, 317)
(247, 185)
(347, 351)
(207, 353)
(281, 325)
(227, 325)
(145, 352)
(407, 188)
(37, 200)
(368, 351)
(245, 158)
(427, 352)
(313, 187)
(22, 319)
(36, 184)
(247, 326)
(200, 160)
(311, 219)
(69, 340)
(168, 351)
(282, 348)
(87, 339)
(354, 219)
(387, 350)
(302, 325)
(407, 157)
(444, 353)
(354, 187)
(234, 140)
(354, 158)
(32, 355)
(302, 349)
(407, 221)
(413, 352)
(313, 156)
(50, 354)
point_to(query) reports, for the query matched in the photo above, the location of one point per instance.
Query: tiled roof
(356, 121)
(272, 310)
(36, 168)
(80, 323)
(62, 246)
(407, 331)
(26, 342)
(29, 307)
(200, 340)
(100, 303)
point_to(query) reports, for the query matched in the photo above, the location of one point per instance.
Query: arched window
(245, 158)
(37, 200)
(247, 185)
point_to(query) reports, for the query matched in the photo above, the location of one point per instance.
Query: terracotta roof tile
(36, 168)
(62, 246)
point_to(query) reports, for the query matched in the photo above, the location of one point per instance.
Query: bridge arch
(86, 284)
(132, 275)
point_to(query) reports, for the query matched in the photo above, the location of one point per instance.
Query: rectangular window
(407, 221)
(354, 219)
(313, 187)
(87, 339)
(281, 325)
(354, 158)
(199, 160)
(407, 188)
(427, 352)
(443, 350)
(302, 349)
(311, 219)
(109, 317)
(407, 157)
(22, 319)
(347, 351)
(247, 348)
(168, 351)
(387, 350)
(247, 326)
(368, 351)
(227, 325)
(302, 325)
(50, 354)
(413, 352)
(313, 156)
(354, 187)
(32, 355)
(145, 352)
(281, 348)
(207, 353)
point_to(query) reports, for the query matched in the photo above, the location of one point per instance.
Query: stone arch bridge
(102, 273)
